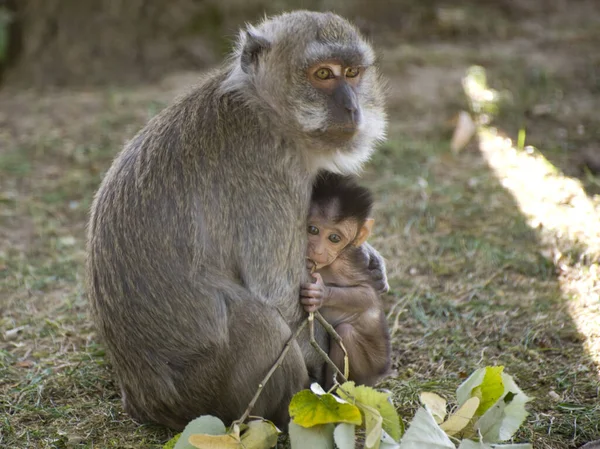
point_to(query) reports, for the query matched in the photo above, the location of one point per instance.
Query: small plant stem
(323, 354)
(331, 331)
(311, 324)
(336, 337)
(276, 365)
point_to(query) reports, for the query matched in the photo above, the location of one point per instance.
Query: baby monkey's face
(328, 238)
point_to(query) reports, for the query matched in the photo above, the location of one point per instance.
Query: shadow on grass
(475, 285)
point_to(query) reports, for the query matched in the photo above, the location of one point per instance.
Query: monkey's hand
(312, 295)
(376, 269)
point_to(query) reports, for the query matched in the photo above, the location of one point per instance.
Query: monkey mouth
(348, 128)
(336, 134)
(311, 264)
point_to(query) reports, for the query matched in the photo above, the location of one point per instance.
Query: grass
(482, 272)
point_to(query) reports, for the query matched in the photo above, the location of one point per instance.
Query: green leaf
(504, 418)
(490, 389)
(463, 392)
(373, 427)
(257, 434)
(204, 424)
(343, 436)
(171, 443)
(486, 384)
(387, 442)
(367, 396)
(308, 409)
(316, 437)
(424, 433)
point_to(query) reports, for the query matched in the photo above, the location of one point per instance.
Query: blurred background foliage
(95, 42)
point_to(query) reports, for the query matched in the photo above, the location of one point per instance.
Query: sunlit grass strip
(566, 219)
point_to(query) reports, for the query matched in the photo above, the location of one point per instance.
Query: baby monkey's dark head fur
(342, 194)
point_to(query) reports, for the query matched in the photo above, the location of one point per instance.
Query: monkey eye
(334, 238)
(313, 230)
(324, 73)
(352, 72)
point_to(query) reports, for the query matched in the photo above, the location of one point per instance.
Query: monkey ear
(364, 232)
(254, 45)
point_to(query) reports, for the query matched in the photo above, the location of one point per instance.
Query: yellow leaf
(203, 441)
(259, 435)
(461, 418)
(308, 409)
(366, 396)
(435, 404)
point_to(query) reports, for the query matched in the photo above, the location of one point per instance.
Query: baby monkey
(338, 224)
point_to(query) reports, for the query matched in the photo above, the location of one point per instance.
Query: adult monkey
(197, 234)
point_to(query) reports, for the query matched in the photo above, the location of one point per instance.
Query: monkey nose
(355, 116)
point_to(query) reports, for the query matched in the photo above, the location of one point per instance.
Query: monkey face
(325, 243)
(319, 76)
(339, 85)
(326, 237)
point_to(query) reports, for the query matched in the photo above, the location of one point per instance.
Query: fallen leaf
(424, 433)
(367, 396)
(435, 404)
(373, 427)
(491, 388)
(461, 418)
(24, 364)
(317, 437)
(308, 409)
(463, 133)
(387, 442)
(203, 441)
(202, 425)
(260, 434)
(505, 417)
(343, 435)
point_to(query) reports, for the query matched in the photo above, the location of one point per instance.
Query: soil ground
(492, 252)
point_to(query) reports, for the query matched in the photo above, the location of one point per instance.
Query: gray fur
(197, 233)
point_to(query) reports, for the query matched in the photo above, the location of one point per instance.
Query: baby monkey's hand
(312, 295)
